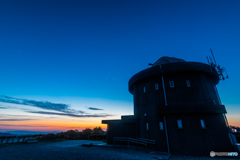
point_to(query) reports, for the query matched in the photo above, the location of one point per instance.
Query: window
(202, 123)
(161, 125)
(179, 123)
(171, 84)
(156, 86)
(214, 102)
(147, 127)
(188, 83)
(144, 89)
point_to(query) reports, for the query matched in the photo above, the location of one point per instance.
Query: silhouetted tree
(97, 131)
(87, 131)
(50, 136)
(72, 134)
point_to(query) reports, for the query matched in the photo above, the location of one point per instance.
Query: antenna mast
(213, 57)
(220, 70)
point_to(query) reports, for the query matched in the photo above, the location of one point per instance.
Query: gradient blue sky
(82, 54)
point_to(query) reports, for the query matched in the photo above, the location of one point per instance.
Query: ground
(72, 150)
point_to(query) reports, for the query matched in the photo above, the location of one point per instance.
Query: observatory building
(176, 103)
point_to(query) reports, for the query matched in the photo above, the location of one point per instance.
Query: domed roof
(165, 59)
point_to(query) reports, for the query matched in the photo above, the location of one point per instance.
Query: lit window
(147, 127)
(171, 84)
(179, 123)
(188, 83)
(161, 125)
(214, 102)
(202, 123)
(156, 86)
(144, 89)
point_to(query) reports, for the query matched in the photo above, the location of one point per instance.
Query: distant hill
(6, 134)
(25, 132)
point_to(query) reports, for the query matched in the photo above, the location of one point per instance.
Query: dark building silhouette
(176, 103)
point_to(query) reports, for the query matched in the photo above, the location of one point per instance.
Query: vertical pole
(225, 118)
(165, 98)
(207, 60)
(219, 101)
(136, 145)
(213, 57)
(166, 134)
(229, 134)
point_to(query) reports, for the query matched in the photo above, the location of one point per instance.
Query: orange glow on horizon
(234, 122)
(59, 125)
(51, 125)
(53, 128)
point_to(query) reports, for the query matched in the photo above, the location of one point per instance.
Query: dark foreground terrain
(44, 151)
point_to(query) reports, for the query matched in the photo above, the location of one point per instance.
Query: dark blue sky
(90, 49)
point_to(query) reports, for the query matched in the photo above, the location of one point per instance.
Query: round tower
(177, 105)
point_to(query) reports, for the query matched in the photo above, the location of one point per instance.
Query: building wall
(120, 130)
(190, 104)
(192, 139)
(201, 91)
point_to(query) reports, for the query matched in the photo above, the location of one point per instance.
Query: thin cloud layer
(92, 108)
(24, 125)
(16, 119)
(40, 104)
(55, 108)
(71, 115)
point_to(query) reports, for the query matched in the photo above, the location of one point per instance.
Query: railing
(137, 141)
(15, 139)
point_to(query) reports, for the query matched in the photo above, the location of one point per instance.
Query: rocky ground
(44, 151)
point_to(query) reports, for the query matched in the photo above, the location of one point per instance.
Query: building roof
(165, 59)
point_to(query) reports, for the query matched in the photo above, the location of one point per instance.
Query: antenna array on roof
(221, 71)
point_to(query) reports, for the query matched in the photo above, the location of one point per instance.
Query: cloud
(62, 109)
(71, 115)
(24, 125)
(92, 108)
(5, 106)
(14, 116)
(16, 119)
(40, 104)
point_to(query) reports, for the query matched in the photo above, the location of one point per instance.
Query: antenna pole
(210, 59)
(220, 71)
(213, 57)
(207, 60)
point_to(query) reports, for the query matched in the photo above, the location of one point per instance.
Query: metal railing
(133, 140)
